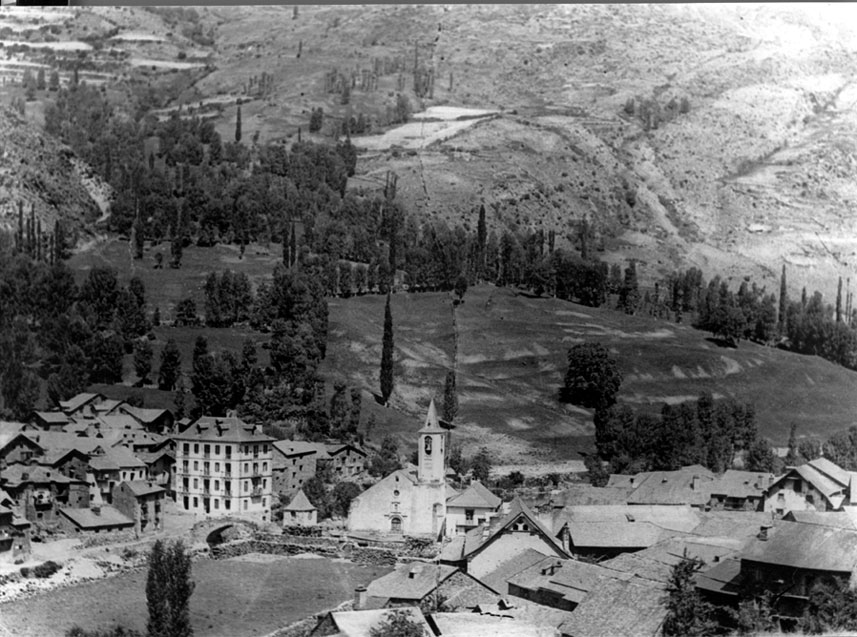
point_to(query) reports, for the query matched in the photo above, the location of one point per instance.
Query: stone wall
(321, 546)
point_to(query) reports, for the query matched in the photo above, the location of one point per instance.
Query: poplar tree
(168, 591)
(387, 354)
(784, 301)
(450, 399)
(238, 125)
(171, 362)
(839, 302)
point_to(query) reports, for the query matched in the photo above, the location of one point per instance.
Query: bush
(46, 569)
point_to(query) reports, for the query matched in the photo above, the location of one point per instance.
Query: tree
(784, 302)
(398, 623)
(342, 496)
(339, 410)
(460, 287)
(593, 377)
(450, 399)
(54, 81)
(760, 456)
(629, 293)
(457, 461)
(143, 360)
(171, 362)
(238, 125)
(186, 313)
(480, 466)
(831, 607)
(116, 631)
(387, 354)
(792, 458)
(596, 473)
(387, 460)
(40, 79)
(168, 590)
(687, 614)
(839, 302)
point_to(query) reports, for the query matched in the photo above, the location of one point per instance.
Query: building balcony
(256, 493)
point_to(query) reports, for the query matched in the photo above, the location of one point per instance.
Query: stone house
(346, 460)
(111, 467)
(294, 462)
(143, 502)
(17, 446)
(470, 508)
(96, 519)
(39, 492)
(426, 585)
(14, 531)
(818, 485)
(739, 491)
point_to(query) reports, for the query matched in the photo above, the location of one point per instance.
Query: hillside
(511, 360)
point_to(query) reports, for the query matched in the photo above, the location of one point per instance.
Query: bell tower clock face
(427, 445)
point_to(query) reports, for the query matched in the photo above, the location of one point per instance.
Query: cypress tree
(387, 354)
(784, 300)
(293, 246)
(450, 399)
(171, 362)
(839, 302)
(482, 239)
(238, 125)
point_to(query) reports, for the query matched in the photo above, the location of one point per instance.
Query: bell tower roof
(432, 425)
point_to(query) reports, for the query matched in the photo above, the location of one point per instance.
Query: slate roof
(673, 517)
(410, 581)
(836, 519)
(618, 608)
(432, 425)
(359, 623)
(107, 405)
(498, 579)
(832, 470)
(300, 503)
(209, 428)
(609, 535)
(742, 484)
(674, 487)
(115, 459)
(17, 474)
(337, 448)
(572, 579)
(88, 519)
(723, 577)
(586, 494)
(735, 524)
(150, 457)
(821, 480)
(477, 538)
(473, 625)
(8, 438)
(142, 488)
(476, 496)
(640, 566)
(295, 448)
(144, 415)
(807, 546)
(52, 416)
(76, 402)
(63, 440)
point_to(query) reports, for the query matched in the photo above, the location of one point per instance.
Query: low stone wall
(359, 555)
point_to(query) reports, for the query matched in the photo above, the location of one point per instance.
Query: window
(246, 467)
(798, 486)
(264, 467)
(227, 504)
(196, 465)
(206, 466)
(264, 483)
(195, 503)
(228, 450)
(395, 525)
(228, 468)
(124, 475)
(396, 493)
(468, 515)
(246, 486)
(217, 485)
(217, 449)
(206, 449)
(216, 503)
(184, 466)
(227, 486)
(185, 502)
(216, 467)
(255, 468)
(810, 499)
(196, 483)
(196, 447)
(185, 448)
(263, 501)
(245, 505)
(185, 484)
(427, 445)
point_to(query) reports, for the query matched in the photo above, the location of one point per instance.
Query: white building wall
(784, 497)
(420, 507)
(504, 548)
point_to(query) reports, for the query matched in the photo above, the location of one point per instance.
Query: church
(409, 503)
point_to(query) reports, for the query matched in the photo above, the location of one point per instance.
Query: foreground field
(252, 595)
(511, 360)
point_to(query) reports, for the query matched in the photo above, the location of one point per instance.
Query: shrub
(46, 569)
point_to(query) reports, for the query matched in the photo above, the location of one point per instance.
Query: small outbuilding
(300, 511)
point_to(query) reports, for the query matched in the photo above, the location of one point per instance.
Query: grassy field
(252, 595)
(511, 360)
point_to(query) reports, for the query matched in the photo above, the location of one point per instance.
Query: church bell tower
(432, 449)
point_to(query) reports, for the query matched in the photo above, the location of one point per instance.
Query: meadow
(251, 595)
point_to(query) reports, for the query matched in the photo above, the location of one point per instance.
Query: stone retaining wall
(360, 555)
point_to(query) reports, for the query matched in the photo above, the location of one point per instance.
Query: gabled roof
(835, 519)
(609, 535)
(227, 429)
(476, 496)
(55, 456)
(143, 415)
(498, 579)
(7, 439)
(76, 402)
(476, 625)
(63, 440)
(89, 519)
(300, 503)
(723, 578)
(16, 475)
(51, 416)
(583, 494)
(742, 484)
(410, 581)
(807, 546)
(359, 623)
(673, 517)
(831, 470)
(572, 579)
(833, 491)
(141, 488)
(108, 404)
(116, 458)
(518, 512)
(688, 485)
(337, 448)
(617, 608)
(150, 457)
(432, 425)
(291, 448)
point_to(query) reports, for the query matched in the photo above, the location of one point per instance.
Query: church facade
(406, 503)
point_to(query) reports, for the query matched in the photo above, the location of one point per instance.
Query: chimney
(96, 509)
(359, 597)
(763, 532)
(695, 483)
(565, 538)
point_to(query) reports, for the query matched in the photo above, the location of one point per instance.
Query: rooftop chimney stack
(763, 532)
(359, 597)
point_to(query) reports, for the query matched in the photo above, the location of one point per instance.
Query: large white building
(224, 467)
(404, 502)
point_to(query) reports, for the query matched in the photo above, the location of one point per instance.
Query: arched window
(428, 445)
(396, 525)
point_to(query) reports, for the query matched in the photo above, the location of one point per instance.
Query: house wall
(543, 597)
(506, 546)
(348, 463)
(724, 503)
(793, 583)
(290, 473)
(74, 467)
(21, 450)
(784, 498)
(456, 519)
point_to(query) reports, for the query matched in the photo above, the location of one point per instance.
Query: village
(572, 561)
